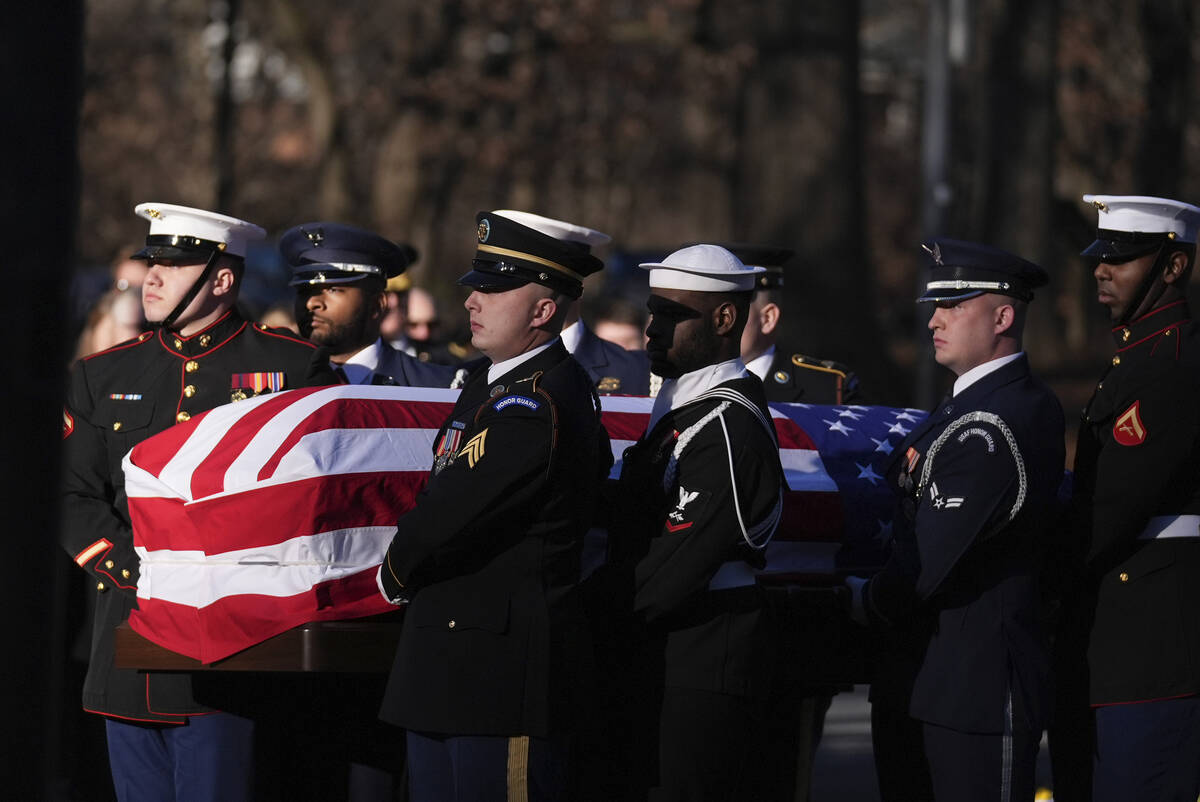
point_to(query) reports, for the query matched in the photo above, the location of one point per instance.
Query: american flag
(262, 515)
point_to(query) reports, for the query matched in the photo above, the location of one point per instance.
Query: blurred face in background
(421, 321)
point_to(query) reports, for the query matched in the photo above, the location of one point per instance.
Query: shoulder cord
(979, 417)
(753, 537)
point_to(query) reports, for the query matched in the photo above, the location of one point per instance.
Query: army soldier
(613, 369)
(163, 744)
(699, 498)
(485, 674)
(340, 274)
(966, 674)
(786, 376)
(1136, 505)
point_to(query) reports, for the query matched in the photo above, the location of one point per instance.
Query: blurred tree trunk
(41, 65)
(1167, 28)
(797, 180)
(1012, 196)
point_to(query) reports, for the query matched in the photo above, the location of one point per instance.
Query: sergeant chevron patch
(473, 450)
(1128, 430)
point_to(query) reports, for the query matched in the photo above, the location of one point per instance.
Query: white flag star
(904, 415)
(882, 445)
(868, 472)
(836, 426)
(896, 428)
(849, 413)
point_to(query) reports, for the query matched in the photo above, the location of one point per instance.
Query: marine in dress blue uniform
(340, 273)
(1136, 506)
(614, 370)
(698, 500)
(487, 674)
(163, 744)
(966, 671)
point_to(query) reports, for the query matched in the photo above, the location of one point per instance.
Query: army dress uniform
(116, 399)
(490, 554)
(614, 370)
(796, 378)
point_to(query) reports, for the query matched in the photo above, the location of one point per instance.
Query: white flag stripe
(342, 451)
(805, 471)
(283, 569)
(140, 483)
(177, 473)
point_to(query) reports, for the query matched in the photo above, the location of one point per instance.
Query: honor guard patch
(519, 400)
(474, 448)
(609, 384)
(258, 382)
(1128, 430)
(125, 396)
(68, 424)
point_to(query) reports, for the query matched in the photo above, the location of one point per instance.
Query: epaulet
(282, 334)
(812, 363)
(144, 337)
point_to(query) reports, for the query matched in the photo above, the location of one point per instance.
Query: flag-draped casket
(258, 516)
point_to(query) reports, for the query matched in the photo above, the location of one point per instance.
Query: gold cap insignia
(315, 237)
(484, 229)
(935, 252)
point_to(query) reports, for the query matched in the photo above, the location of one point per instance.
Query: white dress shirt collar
(360, 368)
(979, 371)
(572, 336)
(498, 369)
(761, 365)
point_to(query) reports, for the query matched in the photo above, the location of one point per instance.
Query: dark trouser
(705, 742)
(1149, 750)
(966, 767)
(210, 758)
(486, 768)
(900, 762)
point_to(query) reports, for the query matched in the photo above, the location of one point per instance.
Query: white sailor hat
(181, 232)
(1131, 226)
(702, 268)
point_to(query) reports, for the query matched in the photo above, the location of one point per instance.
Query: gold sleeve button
(190, 390)
(1116, 360)
(109, 564)
(125, 573)
(192, 366)
(100, 587)
(116, 426)
(183, 416)
(1124, 577)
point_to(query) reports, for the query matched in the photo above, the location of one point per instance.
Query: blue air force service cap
(519, 248)
(961, 270)
(189, 236)
(702, 268)
(1131, 226)
(335, 253)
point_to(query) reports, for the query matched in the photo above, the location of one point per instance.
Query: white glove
(399, 601)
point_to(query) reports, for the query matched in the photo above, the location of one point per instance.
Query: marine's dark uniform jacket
(976, 480)
(676, 523)
(116, 399)
(490, 556)
(805, 379)
(613, 369)
(1137, 467)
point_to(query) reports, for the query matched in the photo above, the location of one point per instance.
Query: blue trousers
(486, 768)
(208, 759)
(1149, 750)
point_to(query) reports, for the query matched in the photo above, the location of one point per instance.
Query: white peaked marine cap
(702, 268)
(181, 227)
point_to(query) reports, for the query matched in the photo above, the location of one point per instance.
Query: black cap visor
(1118, 247)
(173, 253)
(487, 277)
